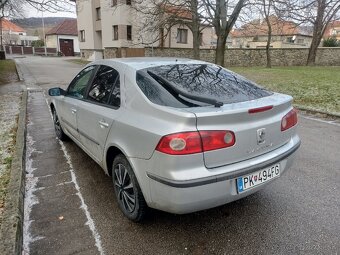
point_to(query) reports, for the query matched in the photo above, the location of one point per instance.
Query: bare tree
(15, 8)
(163, 15)
(222, 14)
(319, 13)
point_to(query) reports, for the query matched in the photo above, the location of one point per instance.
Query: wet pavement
(72, 210)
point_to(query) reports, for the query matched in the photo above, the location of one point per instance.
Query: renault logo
(261, 135)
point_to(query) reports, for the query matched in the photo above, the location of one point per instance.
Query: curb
(315, 111)
(11, 232)
(19, 72)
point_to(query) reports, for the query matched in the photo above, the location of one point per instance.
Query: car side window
(105, 87)
(78, 86)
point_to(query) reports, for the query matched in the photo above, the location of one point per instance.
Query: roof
(10, 26)
(180, 12)
(66, 27)
(333, 25)
(146, 62)
(259, 27)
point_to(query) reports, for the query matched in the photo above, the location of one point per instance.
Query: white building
(113, 28)
(64, 37)
(12, 34)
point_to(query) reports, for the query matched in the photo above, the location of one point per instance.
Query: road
(70, 206)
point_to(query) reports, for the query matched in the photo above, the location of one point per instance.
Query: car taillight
(195, 142)
(289, 120)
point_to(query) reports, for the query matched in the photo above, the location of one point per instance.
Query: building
(113, 28)
(12, 34)
(285, 34)
(64, 37)
(332, 30)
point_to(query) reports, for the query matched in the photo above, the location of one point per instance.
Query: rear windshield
(159, 85)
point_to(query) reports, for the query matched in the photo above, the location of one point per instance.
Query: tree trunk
(317, 33)
(220, 49)
(195, 29)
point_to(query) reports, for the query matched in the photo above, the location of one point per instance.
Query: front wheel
(128, 193)
(58, 129)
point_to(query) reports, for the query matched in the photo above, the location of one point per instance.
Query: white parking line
(90, 222)
(331, 122)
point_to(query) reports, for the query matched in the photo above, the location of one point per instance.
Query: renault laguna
(176, 135)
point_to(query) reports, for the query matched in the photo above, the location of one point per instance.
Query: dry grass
(315, 87)
(8, 72)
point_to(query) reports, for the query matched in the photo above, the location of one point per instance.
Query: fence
(22, 50)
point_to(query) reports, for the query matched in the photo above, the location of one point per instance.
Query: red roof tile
(260, 28)
(67, 27)
(7, 25)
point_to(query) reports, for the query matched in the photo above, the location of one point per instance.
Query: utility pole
(43, 24)
(1, 34)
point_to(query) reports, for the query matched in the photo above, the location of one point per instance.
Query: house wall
(99, 33)
(256, 57)
(52, 41)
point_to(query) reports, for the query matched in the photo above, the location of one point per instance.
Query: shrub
(331, 42)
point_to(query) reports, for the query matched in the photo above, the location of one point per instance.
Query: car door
(98, 111)
(69, 104)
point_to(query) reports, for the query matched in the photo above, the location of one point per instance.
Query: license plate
(257, 178)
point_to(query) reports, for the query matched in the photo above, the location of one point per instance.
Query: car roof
(146, 62)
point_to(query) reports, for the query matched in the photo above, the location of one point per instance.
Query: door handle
(74, 111)
(103, 124)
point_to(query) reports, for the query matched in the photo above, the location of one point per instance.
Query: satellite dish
(294, 37)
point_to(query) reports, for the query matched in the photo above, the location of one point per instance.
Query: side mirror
(54, 92)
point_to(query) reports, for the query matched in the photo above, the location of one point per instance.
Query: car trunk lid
(256, 124)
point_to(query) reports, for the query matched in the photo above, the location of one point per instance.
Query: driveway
(70, 206)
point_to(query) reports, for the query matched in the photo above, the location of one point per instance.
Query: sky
(31, 12)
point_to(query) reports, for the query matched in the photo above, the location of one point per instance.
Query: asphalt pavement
(70, 205)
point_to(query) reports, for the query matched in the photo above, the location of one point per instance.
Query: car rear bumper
(198, 194)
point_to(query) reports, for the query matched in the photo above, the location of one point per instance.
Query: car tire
(128, 193)
(58, 129)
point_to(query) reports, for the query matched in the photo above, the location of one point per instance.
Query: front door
(66, 47)
(97, 113)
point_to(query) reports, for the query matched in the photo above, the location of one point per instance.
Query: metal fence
(22, 50)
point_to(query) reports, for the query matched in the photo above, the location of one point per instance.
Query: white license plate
(257, 178)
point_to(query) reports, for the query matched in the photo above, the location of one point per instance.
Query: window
(300, 41)
(113, 2)
(201, 39)
(128, 2)
(129, 33)
(98, 13)
(115, 32)
(202, 80)
(290, 39)
(105, 88)
(82, 35)
(182, 35)
(79, 84)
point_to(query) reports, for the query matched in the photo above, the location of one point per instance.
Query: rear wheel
(128, 193)
(58, 129)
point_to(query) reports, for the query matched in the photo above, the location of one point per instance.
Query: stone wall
(255, 57)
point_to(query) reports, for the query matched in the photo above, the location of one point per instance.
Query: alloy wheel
(124, 188)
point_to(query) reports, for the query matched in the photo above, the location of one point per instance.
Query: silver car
(177, 135)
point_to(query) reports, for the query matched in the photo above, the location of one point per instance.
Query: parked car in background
(176, 135)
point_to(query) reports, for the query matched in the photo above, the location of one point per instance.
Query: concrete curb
(316, 111)
(11, 232)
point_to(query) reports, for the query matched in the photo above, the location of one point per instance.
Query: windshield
(202, 80)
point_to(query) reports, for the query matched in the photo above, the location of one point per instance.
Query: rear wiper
(181, 92)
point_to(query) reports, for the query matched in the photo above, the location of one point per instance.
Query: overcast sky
(34, 13)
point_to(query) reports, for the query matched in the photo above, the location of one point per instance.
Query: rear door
(69, 103)
(97, 113)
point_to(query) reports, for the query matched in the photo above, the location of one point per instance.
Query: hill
(37, 22)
